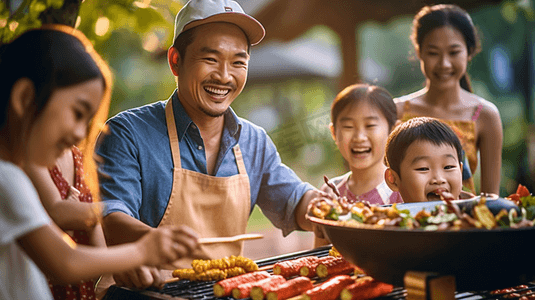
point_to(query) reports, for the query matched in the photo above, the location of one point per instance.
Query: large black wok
(480, 259)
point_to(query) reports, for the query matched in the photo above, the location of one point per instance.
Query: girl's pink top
(380, 195)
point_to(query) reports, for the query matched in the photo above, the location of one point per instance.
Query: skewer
(331, 185)
(230, 239)
(171, 280)
(175, 279)
(265, 268)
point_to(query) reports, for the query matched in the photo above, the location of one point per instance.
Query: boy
(424, 160)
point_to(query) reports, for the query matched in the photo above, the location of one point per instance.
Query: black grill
(204, 290)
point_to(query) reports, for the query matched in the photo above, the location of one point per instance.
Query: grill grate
(204, 290)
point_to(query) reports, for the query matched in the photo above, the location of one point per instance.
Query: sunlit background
(292, 81)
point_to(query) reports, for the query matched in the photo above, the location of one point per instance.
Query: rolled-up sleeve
(119, 169)
(280, 188)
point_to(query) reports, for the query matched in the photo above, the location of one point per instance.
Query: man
(191, 160)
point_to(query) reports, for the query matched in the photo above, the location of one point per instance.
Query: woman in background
(445, 40)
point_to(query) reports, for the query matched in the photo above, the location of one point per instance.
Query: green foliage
(24, 18)
(97, 19)
(134, 16)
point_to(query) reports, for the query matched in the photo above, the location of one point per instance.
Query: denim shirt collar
(232, 125)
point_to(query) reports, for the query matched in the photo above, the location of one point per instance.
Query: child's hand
(167, 244)
(93, 213)
(466, 195)
(73, 194)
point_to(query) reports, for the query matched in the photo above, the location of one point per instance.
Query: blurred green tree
(97, 19)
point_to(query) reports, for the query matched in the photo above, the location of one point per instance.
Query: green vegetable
(530, 212)
(431, 228)
(333, 215)
(444, 218)
(357, 218)
(528, 201)
(407, 222)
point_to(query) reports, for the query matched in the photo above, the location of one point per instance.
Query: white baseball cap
(198, 12)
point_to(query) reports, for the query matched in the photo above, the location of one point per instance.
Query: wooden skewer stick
(171, 280)
(331, 185)
(265, 268)
(230, 239)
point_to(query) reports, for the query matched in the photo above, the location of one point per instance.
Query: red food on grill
(330, 289)
(310, 270)
(291, 268)
(365, 288)
(243, 290)
(290, 288)
(334, 267)
(258, 291)
(518, 291)
(224, 287)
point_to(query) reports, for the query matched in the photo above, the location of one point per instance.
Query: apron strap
(173, 140)
(239, 160)
(173, 136)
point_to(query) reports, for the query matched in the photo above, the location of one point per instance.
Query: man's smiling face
(214, 70)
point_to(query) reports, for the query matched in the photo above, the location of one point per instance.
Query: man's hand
(302, 208)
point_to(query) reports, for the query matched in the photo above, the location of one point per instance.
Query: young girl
(66, 193)
(51, 84)
(362, 117)
(445, 40)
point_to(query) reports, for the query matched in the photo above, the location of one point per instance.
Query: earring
(390, 177)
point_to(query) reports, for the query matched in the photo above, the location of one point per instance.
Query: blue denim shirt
(136, 171)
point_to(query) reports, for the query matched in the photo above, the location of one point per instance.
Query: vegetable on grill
(291, 268)
(201, 265)
(224, 288)
(259, 290)
(365, 288)
(310, 269)
(290, 288)
(334, 267)
(244, 290)
(208, 275)
(330, 289)
(216, 269)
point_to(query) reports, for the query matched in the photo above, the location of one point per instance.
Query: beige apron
(212, 206)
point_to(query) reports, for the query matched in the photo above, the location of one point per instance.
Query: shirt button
(199, 147)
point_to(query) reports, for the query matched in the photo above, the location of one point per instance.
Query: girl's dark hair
(418, 129)
(432, 17)
(375, 95)
(51, 57)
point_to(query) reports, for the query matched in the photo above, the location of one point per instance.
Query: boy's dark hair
(372, 94)
(436, 16)
(418, 129)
